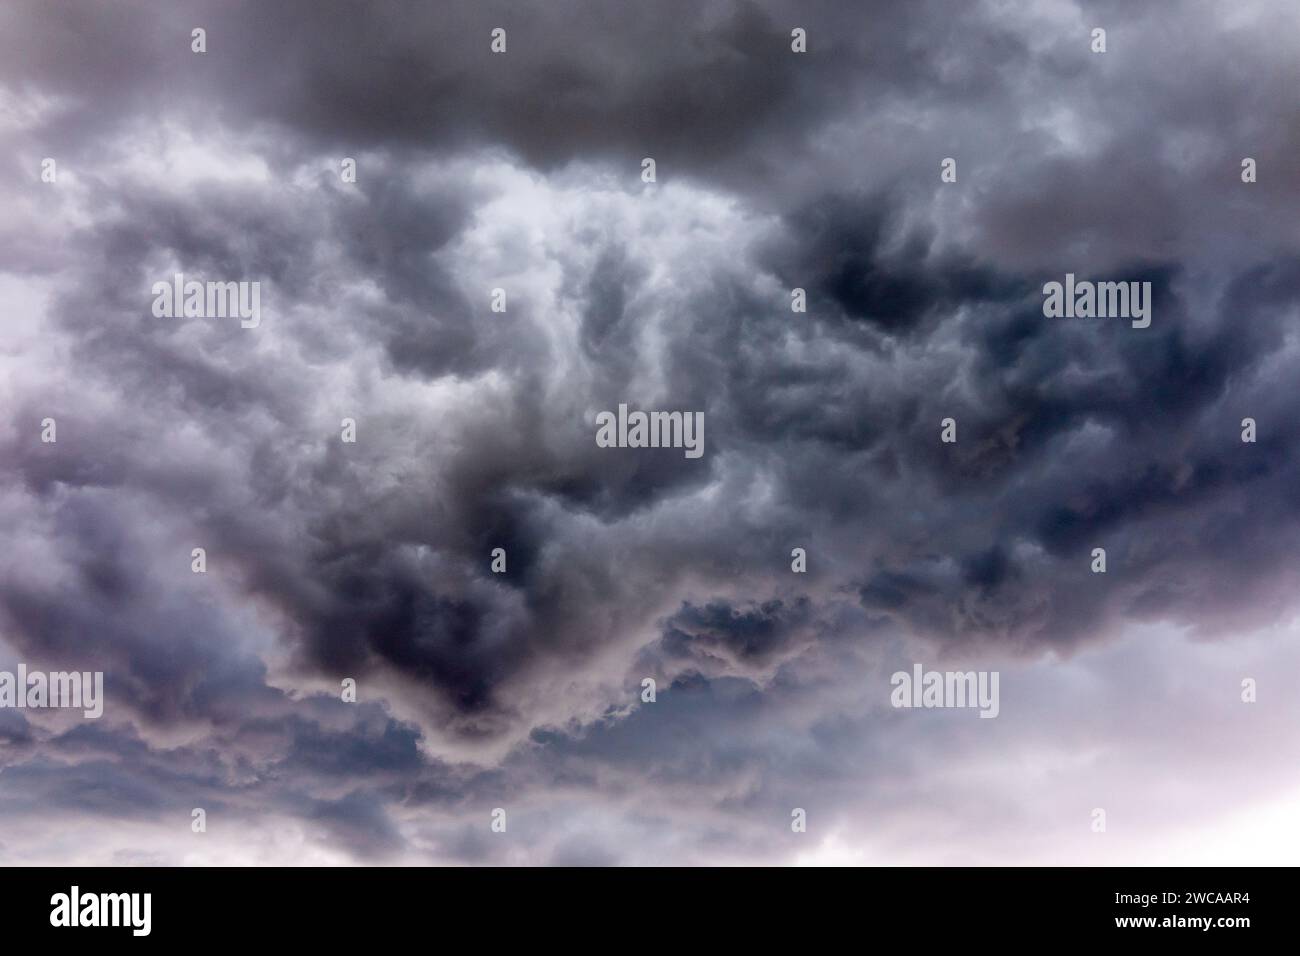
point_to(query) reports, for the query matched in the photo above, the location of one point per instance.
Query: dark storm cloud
(856, 258)
(577, 82)
(475, 428)
(733, 638)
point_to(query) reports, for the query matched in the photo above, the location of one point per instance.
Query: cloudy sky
(475, 430)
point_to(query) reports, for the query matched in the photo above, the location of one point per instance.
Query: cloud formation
(521, 171)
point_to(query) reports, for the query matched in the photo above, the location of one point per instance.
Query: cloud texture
(475, 430)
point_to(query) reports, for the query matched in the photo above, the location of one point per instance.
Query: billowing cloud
(521, 172)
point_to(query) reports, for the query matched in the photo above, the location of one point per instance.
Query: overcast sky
(476, 429)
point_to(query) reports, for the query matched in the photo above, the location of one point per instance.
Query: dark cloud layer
(477, 171)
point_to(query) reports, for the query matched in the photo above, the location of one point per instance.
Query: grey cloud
(475, 428)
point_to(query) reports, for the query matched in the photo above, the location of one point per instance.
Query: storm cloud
(521, 171)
